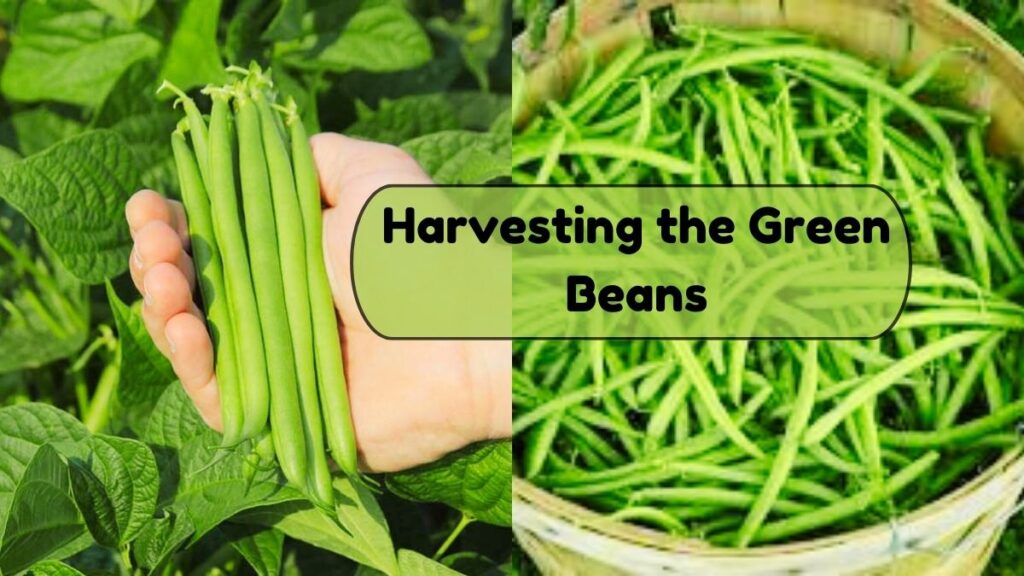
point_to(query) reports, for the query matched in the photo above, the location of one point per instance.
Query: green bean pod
(286, 418)
(211, 283)
(334, 403)
(291, 244)
(197, 128)
(237, 275)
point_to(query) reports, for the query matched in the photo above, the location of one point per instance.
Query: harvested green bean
(843, 433)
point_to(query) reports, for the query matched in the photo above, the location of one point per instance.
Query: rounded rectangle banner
(631, 262)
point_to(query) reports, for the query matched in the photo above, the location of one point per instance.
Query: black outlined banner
(631, 262)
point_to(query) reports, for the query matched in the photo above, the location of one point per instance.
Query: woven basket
(953, 536)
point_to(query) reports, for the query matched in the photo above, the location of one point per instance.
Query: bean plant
(105, 467)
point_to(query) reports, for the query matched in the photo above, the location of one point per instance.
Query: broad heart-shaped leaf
(145, 372)
(116, 487)
(43, 517)
(74, 195)
(24, 428)
(360, 532)
(383, 38)
(437, 75)
(174, 421)
(36, 129)
(213, 485)
(69, 51)
(412, 562)
(193, 57)
(159, 538)
(476, 480)
(201, 483)
(145, 124)
(52, 568)
(127, 10)
(462, 156)
(406, 118)
(397, 121)
(262, 548)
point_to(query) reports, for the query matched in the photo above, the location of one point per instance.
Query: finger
(358, 168)
(192, 359)
(180, 222)
(157, 243)
(166, 293)
(146, 206)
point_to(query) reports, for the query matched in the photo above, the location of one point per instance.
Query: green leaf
(479, 31)
(412, 562)
(24, 428)
(145, 372)
(397, 121)
(53, 568)
(36, 129)
(8, 156)
(43, 517)
(174, 421)
(462, 157)
(476, 480)
(437, 75)
(128, 10)
(68, 51)
(116, 488)
(133, 111)
(242, 37)
(202, 484)
(400, 120)
(502, 125)
(287, 23)
(213, 486)
(74, 195)
(360, 531)
(96, 505)
(378, 39)
(262, 548)
(201, 481)
(193, 58)
(159, 538)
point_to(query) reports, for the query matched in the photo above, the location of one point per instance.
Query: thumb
(350, 172)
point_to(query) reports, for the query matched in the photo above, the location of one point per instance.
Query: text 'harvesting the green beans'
(631, 262)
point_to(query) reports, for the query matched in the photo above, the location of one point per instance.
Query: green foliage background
(105, 468)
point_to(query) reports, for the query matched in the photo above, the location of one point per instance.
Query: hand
(412, 401)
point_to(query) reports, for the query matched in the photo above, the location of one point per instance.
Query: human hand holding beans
(412, 401)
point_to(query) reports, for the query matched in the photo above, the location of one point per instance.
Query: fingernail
(170, 342)
(136, 260)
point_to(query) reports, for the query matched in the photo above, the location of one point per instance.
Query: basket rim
(1006, 63)
(525, 492)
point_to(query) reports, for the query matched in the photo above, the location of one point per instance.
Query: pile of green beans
(252, 197)
(751, 442)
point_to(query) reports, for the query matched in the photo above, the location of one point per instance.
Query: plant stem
(99, 409)
(464, 521)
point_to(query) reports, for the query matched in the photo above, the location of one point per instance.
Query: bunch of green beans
(752, 442)
(252, 197)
